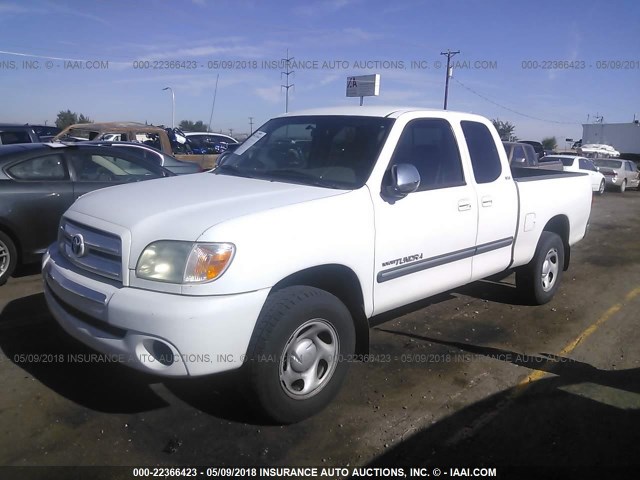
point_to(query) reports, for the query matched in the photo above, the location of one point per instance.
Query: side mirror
(221, 158)
(405, 179)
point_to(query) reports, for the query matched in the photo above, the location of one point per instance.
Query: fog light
(162, 353)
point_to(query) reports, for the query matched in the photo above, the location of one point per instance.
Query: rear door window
(483, 152)
(45, 168)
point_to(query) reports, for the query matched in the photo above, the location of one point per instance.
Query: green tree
(83, 119)
(189, 126)
(549, 143)
(505, 130)
(64, 119)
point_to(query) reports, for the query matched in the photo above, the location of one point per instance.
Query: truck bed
(543, 195)
(532, 174)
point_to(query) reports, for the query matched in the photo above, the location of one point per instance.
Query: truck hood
(184, 207)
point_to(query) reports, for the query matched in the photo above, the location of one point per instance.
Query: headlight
(184, 262)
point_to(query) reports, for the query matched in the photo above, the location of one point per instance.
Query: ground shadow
(493, 290)
(583, 421)
(33, 340)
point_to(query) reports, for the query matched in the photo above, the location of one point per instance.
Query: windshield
(80, 134)
(333, 151)
(608, 163)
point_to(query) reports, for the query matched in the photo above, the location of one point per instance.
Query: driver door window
(430, 146)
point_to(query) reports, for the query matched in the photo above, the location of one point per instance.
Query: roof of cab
(375, 111)
(108, 125)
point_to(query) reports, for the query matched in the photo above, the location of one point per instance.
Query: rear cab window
(485, 159)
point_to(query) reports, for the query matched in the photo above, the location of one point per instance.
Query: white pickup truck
(275, 261)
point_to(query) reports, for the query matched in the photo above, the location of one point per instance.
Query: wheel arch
(342, 282)
(560, 226)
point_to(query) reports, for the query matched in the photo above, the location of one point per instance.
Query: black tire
(602, 187)
(538, 281)
(8, 257)
(287, 316)
(623, 186)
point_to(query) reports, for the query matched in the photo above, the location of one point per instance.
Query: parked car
(154, 155)
(523, 155)
(318, 222)
(39, 181)
(550, 163)
(11, 133)
(619, 173)
(585, 165)
(537, 146)
(46, 132)
(168, 140)
(210, 143)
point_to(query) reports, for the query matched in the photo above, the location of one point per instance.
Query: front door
(425, 242)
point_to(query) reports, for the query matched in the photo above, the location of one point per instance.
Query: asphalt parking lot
(469, 378)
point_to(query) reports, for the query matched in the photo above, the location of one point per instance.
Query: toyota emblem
(77, 245)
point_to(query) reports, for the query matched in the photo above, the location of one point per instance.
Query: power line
(511, 109)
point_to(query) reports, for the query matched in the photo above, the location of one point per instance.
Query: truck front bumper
(165, 334)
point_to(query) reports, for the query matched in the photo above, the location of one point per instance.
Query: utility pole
(215, 92)
(287, 86)
(250, 125)
(231, 132)
(449, 54)
(173, 106)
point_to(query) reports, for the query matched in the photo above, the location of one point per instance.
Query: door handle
(487, 201)
(464, 205)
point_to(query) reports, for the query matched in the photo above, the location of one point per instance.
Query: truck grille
(91, 249)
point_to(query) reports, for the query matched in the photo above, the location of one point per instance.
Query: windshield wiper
(233, 170)
(303, 178)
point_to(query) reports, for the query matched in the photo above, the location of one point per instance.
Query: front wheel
(601, 189)
(538, 281)
(8, 258)
(295, 358)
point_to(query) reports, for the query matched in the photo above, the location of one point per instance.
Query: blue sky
(500, 35)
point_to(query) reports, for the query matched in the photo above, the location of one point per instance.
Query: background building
(624, 137)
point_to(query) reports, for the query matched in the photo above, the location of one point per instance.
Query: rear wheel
(623, 187)
(294, 362)
(8, 257)
(601, 188)
(538, 281)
